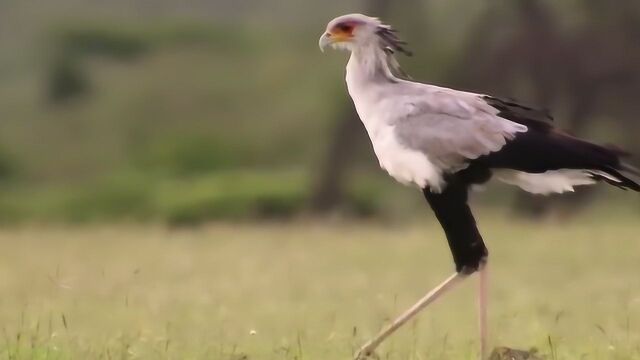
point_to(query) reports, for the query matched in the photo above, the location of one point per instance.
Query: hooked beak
(325, 40)
(333, 38)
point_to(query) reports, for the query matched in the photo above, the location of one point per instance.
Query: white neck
(367, 64)
(369, 80)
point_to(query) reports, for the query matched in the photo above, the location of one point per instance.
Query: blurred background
(191, 111)
(188, 180)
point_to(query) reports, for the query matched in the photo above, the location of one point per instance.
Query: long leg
(482, 310)
(368, 348)
(465, 241)
(468, 250)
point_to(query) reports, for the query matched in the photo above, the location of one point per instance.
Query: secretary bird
(444, 141)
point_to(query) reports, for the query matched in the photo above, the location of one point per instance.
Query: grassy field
(311, 290)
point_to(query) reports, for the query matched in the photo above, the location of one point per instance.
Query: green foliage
(119, 198)
(10, 212)
(234, 195)
(8, 165)
(230, 195)
(183, 200)
(191, 155)
(364, 196)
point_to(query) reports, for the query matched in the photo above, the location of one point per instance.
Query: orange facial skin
(342, 31)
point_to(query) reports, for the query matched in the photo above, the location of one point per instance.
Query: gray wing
(453, 127)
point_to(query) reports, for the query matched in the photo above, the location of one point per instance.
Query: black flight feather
(544, 147)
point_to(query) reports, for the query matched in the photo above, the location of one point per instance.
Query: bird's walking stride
(444, 141)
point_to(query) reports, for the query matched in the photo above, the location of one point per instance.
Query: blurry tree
(72, 45)
(614, 32)
(68, 78)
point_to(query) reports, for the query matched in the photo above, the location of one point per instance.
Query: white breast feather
(377, 110)
(403, 164)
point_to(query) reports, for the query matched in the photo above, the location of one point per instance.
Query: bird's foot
(366, 353)
(505, 353)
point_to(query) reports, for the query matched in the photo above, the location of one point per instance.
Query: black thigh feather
(452, 211)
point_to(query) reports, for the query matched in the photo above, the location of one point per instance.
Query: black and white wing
(459, 130)
(451, 128)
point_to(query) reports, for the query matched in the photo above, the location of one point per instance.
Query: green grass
(312, 290)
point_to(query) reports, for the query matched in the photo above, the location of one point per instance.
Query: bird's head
(356, 30)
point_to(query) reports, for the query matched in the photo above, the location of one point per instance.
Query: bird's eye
(347, 28)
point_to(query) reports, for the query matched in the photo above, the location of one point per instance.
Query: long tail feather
(623, 176)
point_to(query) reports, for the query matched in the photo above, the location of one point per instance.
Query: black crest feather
(390, 40)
